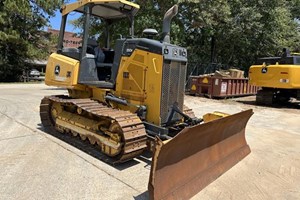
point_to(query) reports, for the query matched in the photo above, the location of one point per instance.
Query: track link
(123, 123)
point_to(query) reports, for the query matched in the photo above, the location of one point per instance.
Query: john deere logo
(264, 70)
(57, 70)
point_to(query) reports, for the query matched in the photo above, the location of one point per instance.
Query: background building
(70, 39)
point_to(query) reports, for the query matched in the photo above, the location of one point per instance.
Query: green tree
(238, 31)
(260, 28)
(21, 36)
(205, 22)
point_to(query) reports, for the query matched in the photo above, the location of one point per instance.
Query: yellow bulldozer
(133, 101)
(278, 77)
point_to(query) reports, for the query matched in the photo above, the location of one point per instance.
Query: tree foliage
(242, 30)
(21, 38)
(231, 32)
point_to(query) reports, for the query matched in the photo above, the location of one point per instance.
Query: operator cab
(98, 66)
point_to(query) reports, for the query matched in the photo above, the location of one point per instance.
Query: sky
(56, 20)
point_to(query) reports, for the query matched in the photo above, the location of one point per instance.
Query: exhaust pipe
(167, 23)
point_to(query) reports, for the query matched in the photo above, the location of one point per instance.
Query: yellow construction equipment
(133, 101)
(278, 77)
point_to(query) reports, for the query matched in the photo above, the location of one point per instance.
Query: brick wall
(70, 39)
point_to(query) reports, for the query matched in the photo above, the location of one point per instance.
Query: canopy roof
(106, 9)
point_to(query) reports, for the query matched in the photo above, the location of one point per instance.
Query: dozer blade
(198, 155)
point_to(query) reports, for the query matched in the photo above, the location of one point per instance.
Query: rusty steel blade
(184, 165)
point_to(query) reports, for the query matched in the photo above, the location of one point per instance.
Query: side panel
(275, 76)
(139, 81)
(62, 71)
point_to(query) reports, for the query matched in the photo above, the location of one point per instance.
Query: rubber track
(134, 133)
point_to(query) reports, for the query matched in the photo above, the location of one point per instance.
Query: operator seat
(91, 45)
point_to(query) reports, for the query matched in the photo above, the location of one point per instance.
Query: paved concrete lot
(36, 165)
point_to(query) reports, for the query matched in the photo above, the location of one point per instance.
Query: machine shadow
(94, 151)
(143, 196)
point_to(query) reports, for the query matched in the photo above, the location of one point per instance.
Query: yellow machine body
(79, 5)
(277, 76)
(69, 70)
(143, 85)
(139, 80)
